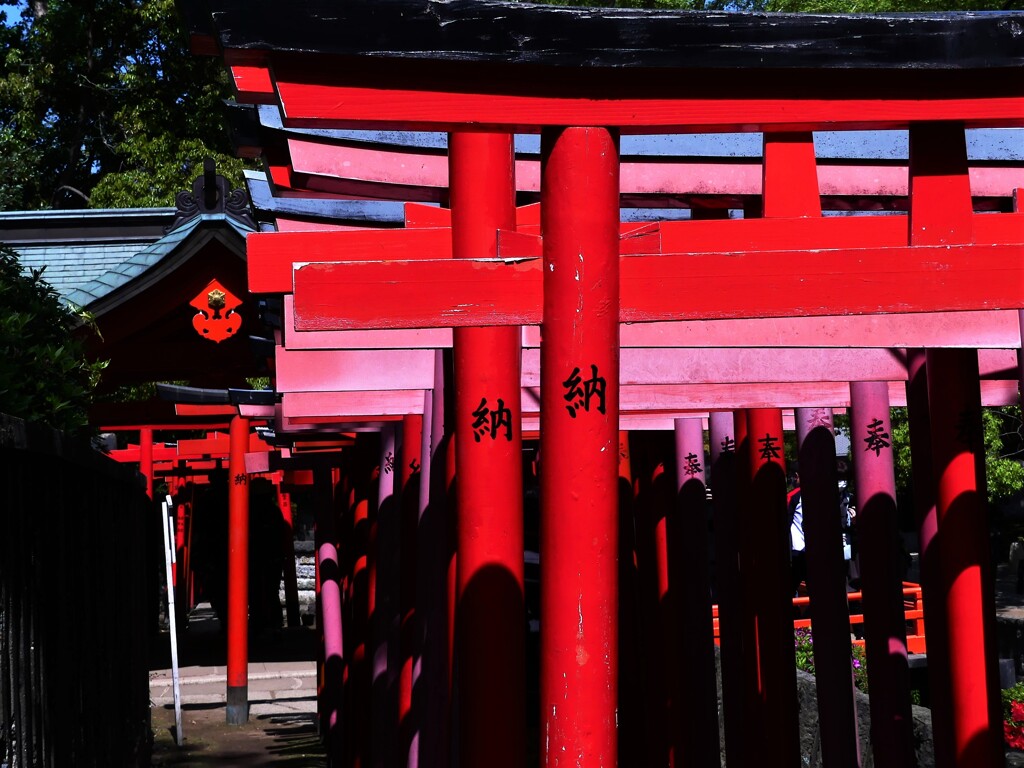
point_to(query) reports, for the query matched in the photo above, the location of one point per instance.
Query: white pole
(168, 557)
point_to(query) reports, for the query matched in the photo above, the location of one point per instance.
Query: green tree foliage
(101, 104)
(44, 375)
(1004, 447)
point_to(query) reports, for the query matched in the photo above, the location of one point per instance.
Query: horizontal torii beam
(404, 369)
(784, 283)
(318, 411)
(271, 256)
(403, 173)
(993, 329)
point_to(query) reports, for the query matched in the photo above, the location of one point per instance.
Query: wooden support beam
(579, 479)
(395, 369)
(339, 96)
(785, 283)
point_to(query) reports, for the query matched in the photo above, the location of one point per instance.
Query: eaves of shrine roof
(86, 255)
(97, 258)
(80, 246)
(144, 266)
(522, 33)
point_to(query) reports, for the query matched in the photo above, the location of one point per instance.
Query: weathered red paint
(434, 293)
(270, 255)
(579, 472)
(885, 631)
(940, 213)
(238, 576)
(489, 614)
(819, 105)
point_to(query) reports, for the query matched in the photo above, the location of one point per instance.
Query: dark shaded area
(278, 740)
(77, 538)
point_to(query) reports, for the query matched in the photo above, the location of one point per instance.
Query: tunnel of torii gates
(568, 325)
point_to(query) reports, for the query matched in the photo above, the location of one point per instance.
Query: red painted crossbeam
(397, 369)
(216, 445)
(317, 410)
(271, 255)
(973, 330)
(692, 286)
(131, 454)
(342, 97)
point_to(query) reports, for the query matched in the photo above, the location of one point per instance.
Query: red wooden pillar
(694, 714)
(965, 568)
(728, 595)
(411, 465)
(330, 613)
(238, 575)
(929, 564)
(291, 587)
(359, 685)
(430, 695)
(490, 618)
(826, 587)
(767, 595)
(579, 434)
(878, 536)
(382, 592)
(941, 213)
(146, 457)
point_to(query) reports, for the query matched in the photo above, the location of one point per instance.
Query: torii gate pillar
(146, 457)
(238, 575)
(884, 624)
(579, 436)
(490, 612)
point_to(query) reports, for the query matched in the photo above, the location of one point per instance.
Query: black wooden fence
(74, 615)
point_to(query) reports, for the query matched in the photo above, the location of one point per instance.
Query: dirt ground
(289, 741)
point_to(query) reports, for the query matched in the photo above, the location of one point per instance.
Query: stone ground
(282, 696)
(282, 691)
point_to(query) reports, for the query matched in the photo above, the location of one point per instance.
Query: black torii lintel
(522, 33)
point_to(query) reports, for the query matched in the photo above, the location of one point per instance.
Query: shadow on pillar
(492, 612)
(954, 540)
(768, 602)
(694, 711)
(631, 702)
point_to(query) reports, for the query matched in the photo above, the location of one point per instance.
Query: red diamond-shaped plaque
(217, 319)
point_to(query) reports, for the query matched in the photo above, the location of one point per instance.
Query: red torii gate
(572, 147)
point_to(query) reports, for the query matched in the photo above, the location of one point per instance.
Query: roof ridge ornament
(211, 193)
